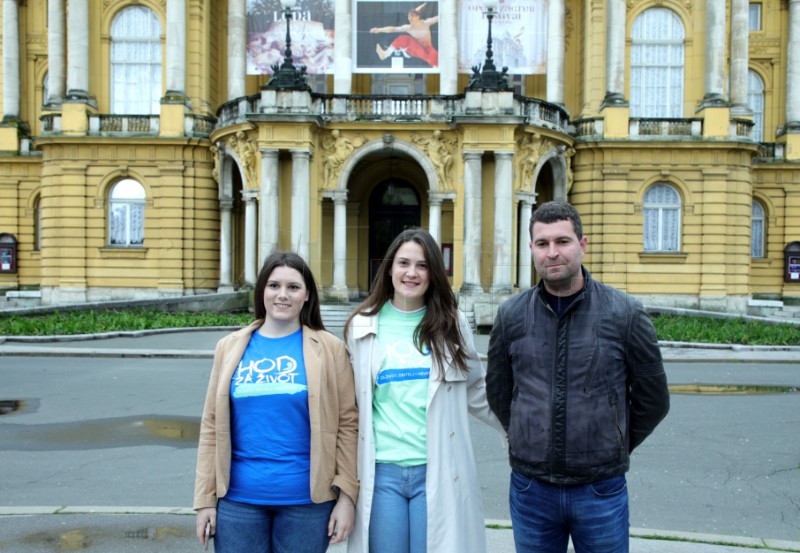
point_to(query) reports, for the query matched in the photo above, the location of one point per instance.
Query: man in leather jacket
(576, 378)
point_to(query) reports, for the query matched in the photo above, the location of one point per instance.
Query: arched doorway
(393, 206)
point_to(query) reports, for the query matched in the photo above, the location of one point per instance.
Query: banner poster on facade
(396, 37)
(311, 33)
(519, 36)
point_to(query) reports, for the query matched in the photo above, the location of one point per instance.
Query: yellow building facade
(139, 159)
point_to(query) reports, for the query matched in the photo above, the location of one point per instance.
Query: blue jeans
(242, 527)
(543, 516)
(399, 517)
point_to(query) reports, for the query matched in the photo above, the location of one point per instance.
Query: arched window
(662, 219)
(758, 231)
(135, 62)
(755, 99)
(126, 214)
(657, 64)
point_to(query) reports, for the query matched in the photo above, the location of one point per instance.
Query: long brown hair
(310, 314)
(439, 329)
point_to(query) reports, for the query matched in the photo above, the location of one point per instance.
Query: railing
(665, 127)
(366, 107)
(383, 108)
(202, 125)
(124, 124)
(541, 112)
(770, 151)
(589, 127)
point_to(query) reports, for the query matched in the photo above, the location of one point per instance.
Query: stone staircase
(334, 315)
(20, 298)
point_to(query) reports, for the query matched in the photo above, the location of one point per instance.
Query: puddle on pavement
(730, 389)
(9, 406)
(80, 539)
(102, 433)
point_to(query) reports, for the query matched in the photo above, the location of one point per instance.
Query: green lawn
(669, 327)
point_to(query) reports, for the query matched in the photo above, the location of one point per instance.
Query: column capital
(526, 198)
(504, 153)
(473, 154)
(337, 196)
(249, 195)
(439, 197)
(269, 151)
(301, 152)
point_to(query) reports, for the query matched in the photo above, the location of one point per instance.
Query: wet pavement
(75, 478)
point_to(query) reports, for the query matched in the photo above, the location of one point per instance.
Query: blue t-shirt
(270, 428)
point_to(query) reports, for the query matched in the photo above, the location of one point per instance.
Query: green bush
(669, 327)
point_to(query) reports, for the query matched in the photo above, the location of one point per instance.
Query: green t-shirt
(400, 397)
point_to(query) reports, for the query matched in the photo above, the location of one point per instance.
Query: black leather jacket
(577, 393)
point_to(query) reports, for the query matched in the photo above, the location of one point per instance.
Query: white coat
(455, 510)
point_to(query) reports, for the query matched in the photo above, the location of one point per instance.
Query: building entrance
(393, 207)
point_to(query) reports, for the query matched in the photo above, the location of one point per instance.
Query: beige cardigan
(331, 408)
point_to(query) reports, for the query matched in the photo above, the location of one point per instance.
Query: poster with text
(395, 37)
(519, 36)
(311, 33)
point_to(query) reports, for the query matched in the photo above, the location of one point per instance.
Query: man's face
(557, 253)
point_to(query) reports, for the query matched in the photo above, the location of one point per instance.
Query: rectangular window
(755, 17)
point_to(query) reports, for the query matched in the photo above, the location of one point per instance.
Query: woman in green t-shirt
(417, 377)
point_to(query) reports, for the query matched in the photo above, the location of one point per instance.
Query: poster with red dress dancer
(396, 37)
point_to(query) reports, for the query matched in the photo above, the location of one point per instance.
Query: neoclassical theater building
(147, 150)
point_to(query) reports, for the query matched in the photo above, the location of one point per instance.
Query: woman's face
(285, 295)
(410, 277)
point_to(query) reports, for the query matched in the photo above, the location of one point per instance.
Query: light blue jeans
(242, 527)
(543, 516)
(399, 517)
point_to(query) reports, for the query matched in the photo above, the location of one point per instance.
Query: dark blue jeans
(545, 515)
(242, 527)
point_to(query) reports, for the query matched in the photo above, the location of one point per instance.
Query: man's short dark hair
(554, 211)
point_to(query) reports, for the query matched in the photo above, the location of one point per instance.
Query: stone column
(448, 47)
(435, 215)
(503, 222)
(78, 50)
(10, 61)
(268, 214)
(342, 50)
(301, 203)
(250, 236)
(472, 222)
(615, 53)
(56, 52)
(176, 48)
(740, 46)
(793, 68)
(524, 260)
(237, 48)
(555, 52)
(715, 54)
(225, 249)
(339, 198)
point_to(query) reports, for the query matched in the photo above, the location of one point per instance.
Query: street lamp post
(488, 77)
(287, 76)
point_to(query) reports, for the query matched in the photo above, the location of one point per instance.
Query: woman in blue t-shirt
(417, 377)
(276, 457)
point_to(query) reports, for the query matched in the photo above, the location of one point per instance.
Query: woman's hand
(342, 519)
(205, 517)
